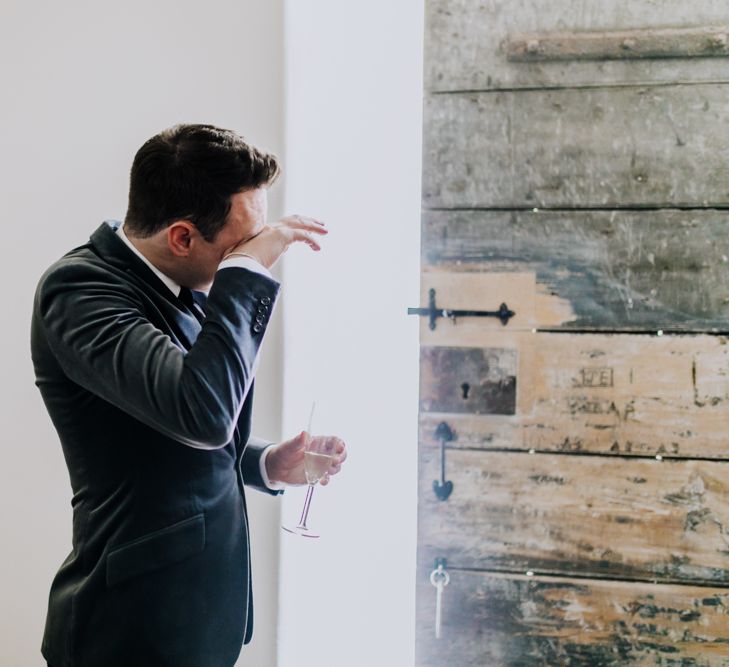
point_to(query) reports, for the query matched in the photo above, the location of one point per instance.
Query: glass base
(299, 530)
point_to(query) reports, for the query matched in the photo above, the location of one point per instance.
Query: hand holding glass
(319, 455)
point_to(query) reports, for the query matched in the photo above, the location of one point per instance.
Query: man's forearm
(192, 397)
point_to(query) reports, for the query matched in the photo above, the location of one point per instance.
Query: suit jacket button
(259, 319)
(257, 327)
(266, 300)
(262, 309)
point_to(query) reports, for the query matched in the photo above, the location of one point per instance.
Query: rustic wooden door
(576, 169)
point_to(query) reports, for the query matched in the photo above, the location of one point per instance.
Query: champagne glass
(319, 453)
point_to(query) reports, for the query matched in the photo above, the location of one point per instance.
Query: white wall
(83, 84)
(353, 147)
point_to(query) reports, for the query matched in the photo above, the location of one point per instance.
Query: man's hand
(285, 462)
(275, 238)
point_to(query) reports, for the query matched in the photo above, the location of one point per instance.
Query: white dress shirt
(241, 262)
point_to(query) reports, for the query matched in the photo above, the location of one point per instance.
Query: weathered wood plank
(627, 147)
(664, 269)
(533, 304)
(585, 515)
(466, 42)
(627, 395)
(491, 619)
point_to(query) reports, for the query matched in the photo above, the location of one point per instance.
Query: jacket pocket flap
(156, 549)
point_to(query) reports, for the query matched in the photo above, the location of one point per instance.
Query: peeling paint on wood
(628, 147)
(577, 515)
(466, 42)
(662, 269)
(533, 304)
(519, 621)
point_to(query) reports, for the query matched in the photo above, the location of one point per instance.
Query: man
(145, 342)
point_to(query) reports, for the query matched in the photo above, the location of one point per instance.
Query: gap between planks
(537, 575)
(577, 209)
(584, 86)
(636, 332)
(609, 332)
(607, 455)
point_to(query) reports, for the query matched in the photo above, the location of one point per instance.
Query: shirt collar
(171, 284)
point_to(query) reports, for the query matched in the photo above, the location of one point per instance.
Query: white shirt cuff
(274, 486)
(245, 263)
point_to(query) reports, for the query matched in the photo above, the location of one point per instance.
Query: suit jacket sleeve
(251, 465)
(96, 327)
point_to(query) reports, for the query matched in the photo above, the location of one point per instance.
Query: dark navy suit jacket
(153, 411)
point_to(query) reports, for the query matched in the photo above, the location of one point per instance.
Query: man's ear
(180, 235)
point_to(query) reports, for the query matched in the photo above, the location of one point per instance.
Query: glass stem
(307, 504)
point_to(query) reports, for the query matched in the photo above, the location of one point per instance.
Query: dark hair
(189, 172)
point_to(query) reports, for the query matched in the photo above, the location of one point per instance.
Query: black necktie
(189, 301)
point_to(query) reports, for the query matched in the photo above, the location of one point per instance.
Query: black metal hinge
(433, 312)
(443, 487)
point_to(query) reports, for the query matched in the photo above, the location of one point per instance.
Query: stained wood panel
(520, 621)
(466, 42)
(589, 196)
(584, 515)
(624, 395)
(619, 148)
(632, 270)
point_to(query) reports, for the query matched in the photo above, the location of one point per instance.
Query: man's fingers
(322, 226)
(341, 450)
(300, 235)
(303, 222)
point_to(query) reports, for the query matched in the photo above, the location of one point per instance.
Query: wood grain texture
(518, 621)
(466, 42)
(577, 515)
(664, 269)
(597, 461)
(625, 148)
(626, 395)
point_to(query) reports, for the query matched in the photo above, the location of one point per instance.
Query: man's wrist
(244, 261)
(266, 472)
(242, 254)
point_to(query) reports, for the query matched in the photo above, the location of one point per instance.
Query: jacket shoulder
(81, 269)
(78, 263)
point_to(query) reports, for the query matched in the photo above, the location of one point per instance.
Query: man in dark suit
(145, 342)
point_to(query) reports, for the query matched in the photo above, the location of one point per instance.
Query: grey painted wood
(647, 270)
(522, 621)
(577, 515)
(465, 45)
(628, 147)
